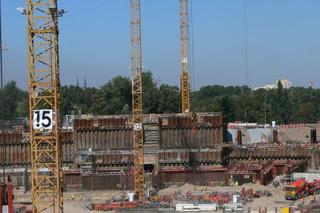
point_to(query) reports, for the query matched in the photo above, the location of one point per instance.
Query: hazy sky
(283, 41)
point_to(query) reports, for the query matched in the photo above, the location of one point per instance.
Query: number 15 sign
(42, 119)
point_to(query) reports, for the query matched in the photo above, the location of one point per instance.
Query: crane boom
(184, 56)
(44, 100)
(137, 108)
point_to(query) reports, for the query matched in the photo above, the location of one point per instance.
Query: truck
(301, 188)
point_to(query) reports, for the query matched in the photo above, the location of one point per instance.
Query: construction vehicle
(313, 187)
(296, 189)
(301, 188)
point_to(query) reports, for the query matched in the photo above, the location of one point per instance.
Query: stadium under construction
(97, 152)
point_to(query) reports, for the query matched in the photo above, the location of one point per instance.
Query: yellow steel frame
(44, 85)
(137, 108)
(184, 54)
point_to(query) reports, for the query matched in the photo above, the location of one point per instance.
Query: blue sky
(283, 41)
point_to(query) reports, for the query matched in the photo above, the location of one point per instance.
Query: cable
(191, 55)
(245, 39)
(191, 47)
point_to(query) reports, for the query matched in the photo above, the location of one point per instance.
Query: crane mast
(44, 101)
(184, 56)
(137, 108)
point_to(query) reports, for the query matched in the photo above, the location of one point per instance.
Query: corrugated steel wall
(116, 159)
(202, 156)
(108, 181)
(91, 122)
(103, 139)
(271, 152)
(180, 131)
(103, 134)
(112, 137)
(15, 149)
(72, 181)
(209, 178)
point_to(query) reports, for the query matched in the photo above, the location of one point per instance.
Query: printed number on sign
(42, 119)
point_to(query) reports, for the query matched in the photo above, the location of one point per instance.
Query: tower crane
(184, 56)
(44, 101)
(137, 108)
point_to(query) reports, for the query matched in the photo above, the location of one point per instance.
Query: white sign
(5, 208)
(137, 126)
(42, 119)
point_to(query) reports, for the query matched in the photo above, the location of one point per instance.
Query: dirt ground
(76, 202)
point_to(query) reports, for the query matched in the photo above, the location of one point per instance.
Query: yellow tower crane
(137, 108)
(184, 56)
(44, 101)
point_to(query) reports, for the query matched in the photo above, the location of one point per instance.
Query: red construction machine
(301, 188)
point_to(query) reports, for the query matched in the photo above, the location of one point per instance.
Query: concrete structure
(97, 153)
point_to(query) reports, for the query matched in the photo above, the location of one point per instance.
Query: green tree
(116, 94)
(227, 107)
(150, 93)
(169, 99)
(11, 98)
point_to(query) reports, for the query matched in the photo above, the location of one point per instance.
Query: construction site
(183, 161)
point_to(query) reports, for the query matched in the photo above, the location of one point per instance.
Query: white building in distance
(286, 84)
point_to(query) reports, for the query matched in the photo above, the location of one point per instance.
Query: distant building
(266, 87)
(286, 84)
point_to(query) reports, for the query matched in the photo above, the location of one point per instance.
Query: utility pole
(184, 56)
(44, 104)
(137, 108)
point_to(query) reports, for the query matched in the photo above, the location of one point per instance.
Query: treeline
(112, 98)
(115, 97)
(294, 105)
(238, 103)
